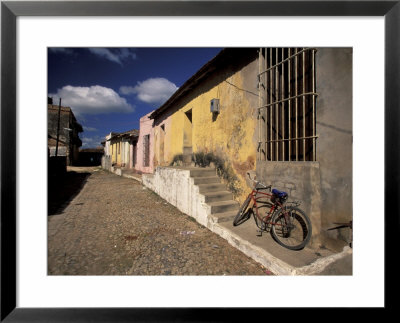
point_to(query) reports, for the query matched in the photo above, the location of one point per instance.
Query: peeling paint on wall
(229, 134)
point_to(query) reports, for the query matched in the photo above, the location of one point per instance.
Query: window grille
(287, 104)
(146, 150)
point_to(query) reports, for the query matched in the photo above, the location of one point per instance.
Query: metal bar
(289, 112)
(283, 105)
(296, 130)
(276, 104)
(289, 58)
(270, 109)
(313, 105)
(288, 99)
(259, 104)
(262, 120)
(304, 106)
(288, 139)
(265, 113)
(265, 100)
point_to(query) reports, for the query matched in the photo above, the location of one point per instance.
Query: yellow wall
(113, 153)
(119, 153)
(230, 136)
(116, 152)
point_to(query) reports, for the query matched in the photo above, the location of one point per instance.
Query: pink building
(144, 146)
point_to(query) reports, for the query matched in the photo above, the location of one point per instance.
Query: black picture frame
(10, 10)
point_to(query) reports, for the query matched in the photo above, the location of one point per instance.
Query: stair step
(223, 217)
(223, 206)
(211, 187)
(202, 172)
(207, 180)
(217, 196)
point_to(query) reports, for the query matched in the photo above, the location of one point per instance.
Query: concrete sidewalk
(280, 260)
(266, 251)
(132, 174)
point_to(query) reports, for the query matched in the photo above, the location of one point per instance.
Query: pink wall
(145, 128)
(131, 155)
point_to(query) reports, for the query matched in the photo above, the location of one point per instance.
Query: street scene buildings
(280, 115)
(63, 132)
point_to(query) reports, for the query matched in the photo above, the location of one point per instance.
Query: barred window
(146, 151)
(287, 104)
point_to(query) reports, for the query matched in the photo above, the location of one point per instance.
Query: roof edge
(192, 80)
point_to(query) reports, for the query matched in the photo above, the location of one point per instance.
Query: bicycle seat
(279, 193)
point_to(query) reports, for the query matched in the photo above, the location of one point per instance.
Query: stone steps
(215, 187)
(206, 180)
(203, 172)
(218, 199)
(218, 196)
(223, 217)
(223, 206)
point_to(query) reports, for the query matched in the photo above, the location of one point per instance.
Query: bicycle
(288, 224)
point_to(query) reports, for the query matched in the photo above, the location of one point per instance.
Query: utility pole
(58, 126)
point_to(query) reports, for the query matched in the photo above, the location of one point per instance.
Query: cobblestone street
(115, 226)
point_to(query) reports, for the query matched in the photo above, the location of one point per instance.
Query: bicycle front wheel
(291, 228)
(242, 215)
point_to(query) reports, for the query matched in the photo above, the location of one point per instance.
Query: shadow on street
(63, 188)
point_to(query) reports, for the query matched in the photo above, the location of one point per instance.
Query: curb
(125, 175)
(132, 177)
(276, 265)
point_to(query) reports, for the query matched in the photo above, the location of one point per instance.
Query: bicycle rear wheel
(242, 215)
(291, 230)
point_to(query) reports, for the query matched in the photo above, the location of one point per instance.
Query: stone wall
(335, 141)
(327, 183)
(301, 180)
(106, 162)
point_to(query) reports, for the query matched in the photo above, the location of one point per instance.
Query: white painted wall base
(177, 187)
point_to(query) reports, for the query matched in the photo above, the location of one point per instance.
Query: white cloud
(153, 90)
(62, 50)
(116, 55)
(91, 142)
(91, 100)
(89, 129)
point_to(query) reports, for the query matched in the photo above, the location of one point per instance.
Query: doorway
(187, 138)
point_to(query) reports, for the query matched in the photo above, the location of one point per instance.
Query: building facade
(91, 156)
(284, 114)
(120, 149)
(305, 138)
(186, 129)
(63, 133)
(145, 146)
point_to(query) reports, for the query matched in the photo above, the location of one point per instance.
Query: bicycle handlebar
(257, 183)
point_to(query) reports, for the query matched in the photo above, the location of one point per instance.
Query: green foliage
(177, 160)
(202, 159)
(223, 169)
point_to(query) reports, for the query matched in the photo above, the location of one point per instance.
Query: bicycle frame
(289, 225)
(255, 196)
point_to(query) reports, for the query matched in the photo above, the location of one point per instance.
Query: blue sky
(110, 89)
